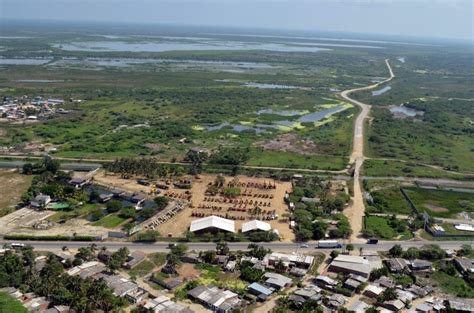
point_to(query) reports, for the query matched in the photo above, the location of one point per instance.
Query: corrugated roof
(260, 288)
(256, 225)
(212, 222)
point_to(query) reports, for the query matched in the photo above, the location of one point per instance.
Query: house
(255, 225)
(348, 264)
(289, 260)
(165, 305)
(384, 282)
(373, 291)
(135, 258)
(104, 197)
(192, 258)
(424, 308)
(309, 293)
(212, 224)
(40, 201)
(261, 291)
(104, 255)
(460, 305)
(420, 291)
(307, 200)
(421, 266)
(397, 265)
(222, 259)
(465, 266)
(405, 296)
(394, 305)
(137, 296)
(58, 309)
(219, 300)
(325, 282)
(37, 304)
(298, 272)
(170, 283)
(79, 182)
(352, 284)
(297, 299)
(230, 266)
(335, 301)
(277, 281)
(359, 307)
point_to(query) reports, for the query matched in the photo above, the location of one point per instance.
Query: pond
(403, 111)
(18, 61)
(270, 86)
(163, 46)
(381, 91)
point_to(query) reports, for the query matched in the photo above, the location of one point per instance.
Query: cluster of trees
(428, 252)
(84, 295)
(49, 180)
(148, 168)
(230, 156)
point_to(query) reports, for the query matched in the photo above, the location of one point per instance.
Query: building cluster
(27, 108)
(215, 223)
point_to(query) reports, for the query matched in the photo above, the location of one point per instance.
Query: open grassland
(380, 227)
(10, 304)
(441, 203)
(453, 285)
(12, 186)
(388, 199)
(110, 221)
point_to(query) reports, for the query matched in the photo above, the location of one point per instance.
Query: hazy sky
(429, 18)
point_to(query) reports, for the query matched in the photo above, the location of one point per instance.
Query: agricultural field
(441, 203)
(12, 185)
(386, 228)
(387, 198)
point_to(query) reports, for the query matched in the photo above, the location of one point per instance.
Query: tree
(146, 213)
(350, 247)
(179, 249)
(161, 202)
(251, 274)
(27, 169)
(377, 273)
(387, 295)
(114, 206)
(172, 259)
(412, 253)
(94, 196)
(334, 254)
(208, 256)
(222, 248)
(372, 309)
(396, 251)
(128, 212)
(85, 253)
(465, 250)
(319, 230)
(258, 251)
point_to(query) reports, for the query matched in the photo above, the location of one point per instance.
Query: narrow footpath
(356, 210)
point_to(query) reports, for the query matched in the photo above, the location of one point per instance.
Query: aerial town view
(236, 156)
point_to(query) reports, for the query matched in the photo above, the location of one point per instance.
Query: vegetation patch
(10, 304)
(386, 228)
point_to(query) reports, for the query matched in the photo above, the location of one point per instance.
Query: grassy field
(441, 203)
(110, 221)
(380, 228)
(142, 269)
(453, 285)
(82, 211)
(12, 186)
(9, 304)
(409, 169)
(388, 199)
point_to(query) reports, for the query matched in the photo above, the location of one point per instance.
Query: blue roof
(260, 288)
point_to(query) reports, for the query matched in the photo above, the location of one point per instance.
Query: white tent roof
(212, 222)
(255, 225)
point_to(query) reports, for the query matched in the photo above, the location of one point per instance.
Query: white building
(256, 225)
(212, 223)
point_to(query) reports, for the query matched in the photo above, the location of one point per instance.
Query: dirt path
(356, 211)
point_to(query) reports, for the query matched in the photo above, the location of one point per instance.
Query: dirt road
(356, 211)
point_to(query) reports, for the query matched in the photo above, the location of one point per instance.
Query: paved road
(199, 246)
(356, 211)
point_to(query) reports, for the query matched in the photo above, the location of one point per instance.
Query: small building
(256, 225)
(79, 182)
(135, 258)
(359, 307)
(460, 305)
(384, 282)
(348, 264)
(397, 265)
(40, 201)
(394, 305)
(277, 281)
(104, 197)
(421, 266)
(307, 200)
(212, 224)
(230, 266)
(352, 284)
(373, 291)
(261, 291)
(289, 260)
(325, 282)
(219, 300)
(298, 272)
(336, 301)
(313, 294)
(464, 265)
(104, 255)
(192, 258)
(37, 304)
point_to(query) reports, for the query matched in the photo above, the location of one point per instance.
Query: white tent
(255, 225)
(212, 222)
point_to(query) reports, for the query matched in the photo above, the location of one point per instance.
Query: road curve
(356, 211)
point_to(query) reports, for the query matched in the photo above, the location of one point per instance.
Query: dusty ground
(435, 208)
(180, 223)
(22, 221)
(115, 181)
(289, 142)
(12, 186)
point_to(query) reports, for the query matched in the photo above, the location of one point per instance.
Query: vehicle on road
(17, 245)
(304, 245)
(171, 245)
(372, 241)
(328, 244)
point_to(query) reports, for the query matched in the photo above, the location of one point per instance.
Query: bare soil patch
(435, 208)
(289, 143)
(12, 186)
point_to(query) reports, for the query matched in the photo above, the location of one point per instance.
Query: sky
(452, 19)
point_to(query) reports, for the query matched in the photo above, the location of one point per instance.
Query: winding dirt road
(356, 211)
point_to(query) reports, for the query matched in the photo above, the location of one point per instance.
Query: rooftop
(256, 225)
(212, 222)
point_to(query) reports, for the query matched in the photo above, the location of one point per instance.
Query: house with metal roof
(261, 291)
(212, 224)
(277, 281)
(218, 300)
(359, 307)
(289, 260)
(397, 265)
(348, 264)
(256, 225)
(465, 266)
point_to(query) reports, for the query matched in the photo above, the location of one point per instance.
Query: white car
(304, 245)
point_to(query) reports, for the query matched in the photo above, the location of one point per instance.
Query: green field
(453, 285)
(441, 203)
(379, 227)
(388, 199)
(9, 304)
(110, 221)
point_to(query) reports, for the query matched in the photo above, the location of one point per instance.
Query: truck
(329, 244)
